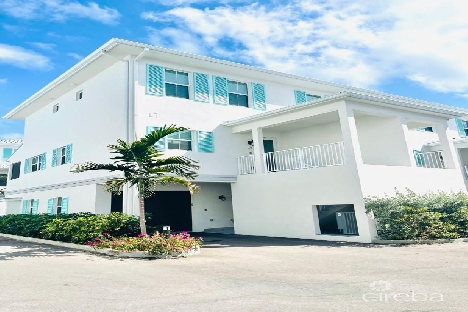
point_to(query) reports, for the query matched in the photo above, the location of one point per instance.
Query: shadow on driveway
(231, 240)
(11, 249)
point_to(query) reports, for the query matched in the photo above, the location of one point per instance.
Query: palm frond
(153, 137)
(94, 166)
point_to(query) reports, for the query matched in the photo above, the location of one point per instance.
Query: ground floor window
(337, 219)
(58, 205)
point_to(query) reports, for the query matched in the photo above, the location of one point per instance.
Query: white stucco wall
(281, 203)
(382, 180)
(103, 200)
(320, 134)
(382, 141)
(90, 124)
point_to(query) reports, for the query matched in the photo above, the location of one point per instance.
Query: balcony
(324, 155)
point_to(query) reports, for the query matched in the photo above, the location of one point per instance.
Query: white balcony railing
(246, 164)
(429, 159)
(331, 154)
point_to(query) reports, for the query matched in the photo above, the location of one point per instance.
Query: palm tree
(144, 166)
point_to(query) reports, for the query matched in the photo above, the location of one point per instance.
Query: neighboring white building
(280, 155)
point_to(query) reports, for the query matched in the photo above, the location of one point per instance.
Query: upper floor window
(180, 140)
(79, 95)
(62, 155)
(55, 108)
(177, 84)
(312, 97)
(7, 152)
(37, 163)
(238, 93)
(15, 170)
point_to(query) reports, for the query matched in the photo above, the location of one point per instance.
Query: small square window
(79, 95)
(55, 108)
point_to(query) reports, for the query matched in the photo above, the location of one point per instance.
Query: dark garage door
(170, 208)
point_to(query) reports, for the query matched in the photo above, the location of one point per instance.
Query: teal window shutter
(202, 87)
(259, 96)
(35, 206)
(300, 96)
(221, 94)
(27, 165)
(419, 158)
(154, 80)
(50, 206)
(162, 143)
(55, 157)
(43, 161)
(205, 142)
(461, 125)
(68, 153)
(64, 205)
(7, 152)
(25, 207)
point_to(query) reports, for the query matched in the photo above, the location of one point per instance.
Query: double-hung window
(238, 95)
(37, 163)
(177, 84)
(58, 205)
(62, 154)
(180, 140)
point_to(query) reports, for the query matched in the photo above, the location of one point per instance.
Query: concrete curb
(416, 242)
(107, 252)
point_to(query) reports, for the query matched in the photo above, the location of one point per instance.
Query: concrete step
(222, 230)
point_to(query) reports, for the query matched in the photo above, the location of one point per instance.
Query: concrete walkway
(239, 274)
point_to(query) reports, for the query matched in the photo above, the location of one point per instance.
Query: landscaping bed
(114, 234)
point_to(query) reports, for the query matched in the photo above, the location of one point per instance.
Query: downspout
(136, 73)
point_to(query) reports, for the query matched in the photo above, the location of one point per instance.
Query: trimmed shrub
(74, 228)
(82, 229)
(157, 244)
(420, 216)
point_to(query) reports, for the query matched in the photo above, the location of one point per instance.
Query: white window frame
(30, 206)
(181, 140)
(58, 203)
(247, 94)
(38, 163)
(62, 156)
(178, 84)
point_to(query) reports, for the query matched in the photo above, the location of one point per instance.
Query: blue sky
(413, 48)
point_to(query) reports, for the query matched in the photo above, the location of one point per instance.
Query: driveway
(239, 274)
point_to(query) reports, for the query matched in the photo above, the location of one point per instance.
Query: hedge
(72, 228)
(415, 216)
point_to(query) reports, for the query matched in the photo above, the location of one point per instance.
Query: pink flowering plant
(156, 244)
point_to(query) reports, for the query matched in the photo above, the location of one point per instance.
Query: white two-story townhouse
(280, 155)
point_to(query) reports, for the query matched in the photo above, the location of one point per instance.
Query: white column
(257, 136)
(448, 149)
(404, 127)
(350, 136)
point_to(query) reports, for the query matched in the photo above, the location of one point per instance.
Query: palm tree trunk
(142, 215)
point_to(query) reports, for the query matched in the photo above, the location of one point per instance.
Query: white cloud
(76, 56)
(43, 45)
(3, 80)
(359, 43)
(59, 10)
(21, 57)
(11, 136)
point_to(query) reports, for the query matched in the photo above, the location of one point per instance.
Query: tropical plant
(144, 167)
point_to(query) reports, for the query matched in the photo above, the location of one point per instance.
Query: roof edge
(449, 111)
